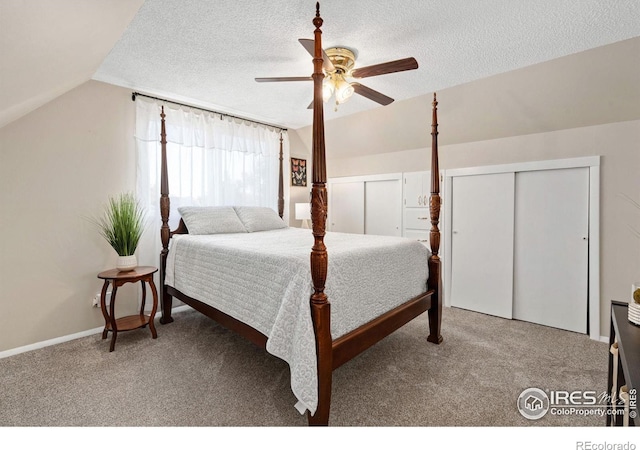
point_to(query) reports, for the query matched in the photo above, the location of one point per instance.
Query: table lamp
(303, 212)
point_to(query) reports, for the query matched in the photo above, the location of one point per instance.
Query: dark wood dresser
(628, 338)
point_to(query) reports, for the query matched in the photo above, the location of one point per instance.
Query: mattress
(264, 280)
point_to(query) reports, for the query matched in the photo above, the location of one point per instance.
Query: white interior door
(552, 248)
(482, 243)
(383, 207)
(346, 210)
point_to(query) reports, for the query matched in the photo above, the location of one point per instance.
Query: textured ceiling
(208, 53)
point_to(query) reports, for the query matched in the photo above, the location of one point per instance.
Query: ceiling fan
(342, 78)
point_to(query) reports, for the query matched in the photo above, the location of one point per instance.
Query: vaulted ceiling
(50, 47)
(208, 53)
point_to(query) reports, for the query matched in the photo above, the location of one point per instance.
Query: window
(212, 160)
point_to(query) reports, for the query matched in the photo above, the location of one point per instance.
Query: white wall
(617, 143)
(58, 165)
(297, 194)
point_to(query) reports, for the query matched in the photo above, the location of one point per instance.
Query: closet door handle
(425, 201)
(419, 200)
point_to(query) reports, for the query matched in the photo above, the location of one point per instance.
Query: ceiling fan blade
(265, 80)
(371, 94)
(389, 67)
(309, 45)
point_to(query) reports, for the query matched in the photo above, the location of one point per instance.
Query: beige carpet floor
(199, 374)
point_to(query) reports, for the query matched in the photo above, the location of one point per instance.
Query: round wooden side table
(143, 274)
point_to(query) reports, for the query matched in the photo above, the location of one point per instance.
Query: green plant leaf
(122, 223)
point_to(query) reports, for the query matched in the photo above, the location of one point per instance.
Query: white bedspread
(263, 279)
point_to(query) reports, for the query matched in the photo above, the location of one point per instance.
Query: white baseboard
(67, 338)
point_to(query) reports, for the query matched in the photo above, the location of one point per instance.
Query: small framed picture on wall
(298, 172)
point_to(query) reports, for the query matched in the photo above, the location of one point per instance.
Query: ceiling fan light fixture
(327, 88)
(343, 89)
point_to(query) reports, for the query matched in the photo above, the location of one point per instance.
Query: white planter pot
(634, 313)
(634, 308)
(126, 263)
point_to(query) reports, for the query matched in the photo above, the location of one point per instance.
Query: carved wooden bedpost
(280, 183)
(320, 306)
(435, 266)
(165, 231)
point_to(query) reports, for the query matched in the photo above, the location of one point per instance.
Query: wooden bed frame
(331, 353)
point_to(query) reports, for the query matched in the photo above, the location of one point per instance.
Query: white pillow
(211, 219)
(259, 218)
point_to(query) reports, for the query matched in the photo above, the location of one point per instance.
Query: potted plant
(122, 225)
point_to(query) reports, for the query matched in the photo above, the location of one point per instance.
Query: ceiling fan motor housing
(342, 58)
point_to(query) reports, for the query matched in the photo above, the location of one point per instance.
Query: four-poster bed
(263, 251)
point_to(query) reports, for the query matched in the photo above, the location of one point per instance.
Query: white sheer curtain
(212, 160)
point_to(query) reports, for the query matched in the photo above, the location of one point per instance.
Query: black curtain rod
(135, 94)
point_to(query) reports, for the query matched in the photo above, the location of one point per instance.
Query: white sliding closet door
(551, 259)
(482, 243)
(383, 207)
(346, 211)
